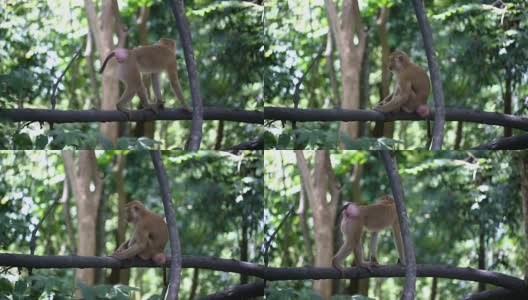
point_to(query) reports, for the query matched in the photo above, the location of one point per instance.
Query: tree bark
(345, 30)
(523, 166)
(438, 93)
(508, 99)
(409, 289)
(323, 211)
(86, 184)
(301, 211)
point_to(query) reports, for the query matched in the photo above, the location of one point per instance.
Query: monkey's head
(134, 211)
(398, 60)
(385, 199)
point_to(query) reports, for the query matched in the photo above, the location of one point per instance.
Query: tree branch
(272, 274)
(84, 116)
(516, 142)
(243, 291)
(409, 289)
(498, 294)
(182, 24)
(427, 35)
(170, 216)
(453, 114)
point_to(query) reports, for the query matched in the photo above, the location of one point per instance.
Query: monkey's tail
(112, 54)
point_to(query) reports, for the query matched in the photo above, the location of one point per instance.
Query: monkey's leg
(396, 231)
(124, 100)
(341, 254)
(374, 249)
(142, 93)
(157, 91)
(172, 71)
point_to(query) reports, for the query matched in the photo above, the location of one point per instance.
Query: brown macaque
(148, 238)
(151, 59)
(412, 87)
(374, 217)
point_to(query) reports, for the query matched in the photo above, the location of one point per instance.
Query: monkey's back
(154, 58)
(378, 216)
(420, 84)
(158, 235)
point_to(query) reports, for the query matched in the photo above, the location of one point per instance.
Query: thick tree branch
(83, 116)
(271, 274)
(243, 291)
(427, 35)
(170, 216)
(498, 294)
(516, 142)
(182, 24)
(453, 114)
(409, 289)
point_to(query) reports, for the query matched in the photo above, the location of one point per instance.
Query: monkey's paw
(365, 266)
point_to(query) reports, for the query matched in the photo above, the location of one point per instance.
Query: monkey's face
(396, 61)
(133, 211)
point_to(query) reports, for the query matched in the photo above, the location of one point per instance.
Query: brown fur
(374, 217)
(412, 87)
(151, 59)
(149, 237)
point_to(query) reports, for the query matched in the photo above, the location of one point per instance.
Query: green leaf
(41, 142)
(22, 141)
(284, 140)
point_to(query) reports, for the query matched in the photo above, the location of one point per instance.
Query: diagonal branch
(409, 289)
(182, 24)
(427, 35)
(170, 216)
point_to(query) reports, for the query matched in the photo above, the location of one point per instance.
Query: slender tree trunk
(100, 237)
(244, 248)
(434, 287)
(86, 183)
(458, 137)
(524, 196)
(219, 135)
(323, 211)
(508, 99)
(301, 211)
(194, 284)
(384, 128)
(121, 276)
(482, 256)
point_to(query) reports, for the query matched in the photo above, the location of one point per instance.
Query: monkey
(412, 87)
(374, 217)
(148, 238)
(151, 59)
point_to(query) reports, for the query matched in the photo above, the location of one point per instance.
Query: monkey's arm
(130, 252)
(122, 247)
(397, 100)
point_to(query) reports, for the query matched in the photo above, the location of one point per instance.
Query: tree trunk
(86, 183)
(104, 44)
(482, 255)
(194, 284)
(524, 194)
(384, 128)
(244, 248)
(508, 99)
(323, 211)
(219, 135)
(458, 137)
(434, 287)
(350, 39)
(301, 211)
(121, 276)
